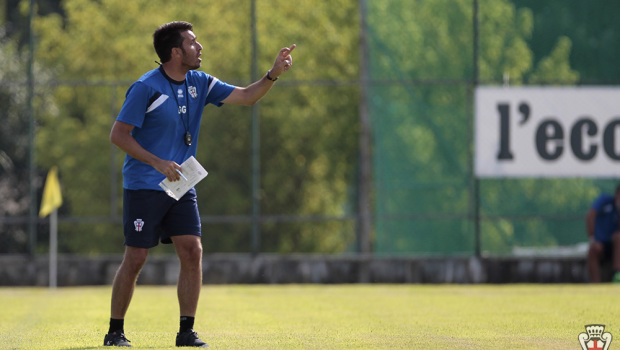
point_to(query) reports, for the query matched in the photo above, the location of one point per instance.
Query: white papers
(192, 173)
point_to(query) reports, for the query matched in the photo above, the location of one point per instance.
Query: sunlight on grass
(318, 316)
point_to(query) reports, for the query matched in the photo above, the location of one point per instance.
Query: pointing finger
(287, 50)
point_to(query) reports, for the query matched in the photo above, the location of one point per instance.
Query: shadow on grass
(107, 347)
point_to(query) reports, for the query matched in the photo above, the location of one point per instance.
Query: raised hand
(283, 62)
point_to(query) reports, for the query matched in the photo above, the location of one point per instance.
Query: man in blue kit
(158, 129)
(604, 235)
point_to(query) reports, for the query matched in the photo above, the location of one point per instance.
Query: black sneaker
(190, 338)
(116, 339)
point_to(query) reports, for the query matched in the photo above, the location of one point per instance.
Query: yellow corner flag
(52, 197)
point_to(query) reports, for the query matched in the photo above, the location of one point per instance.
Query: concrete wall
(22, 270)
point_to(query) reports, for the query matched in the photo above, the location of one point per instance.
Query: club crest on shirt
(192, 91)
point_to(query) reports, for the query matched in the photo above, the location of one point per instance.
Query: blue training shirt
(606, 218)
(154, 106)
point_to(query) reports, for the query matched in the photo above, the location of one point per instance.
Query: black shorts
(608, 251)
(151, 216)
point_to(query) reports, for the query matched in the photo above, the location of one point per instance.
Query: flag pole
(54, 249)
(51, 201)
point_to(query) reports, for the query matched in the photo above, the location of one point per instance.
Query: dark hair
(168, 36)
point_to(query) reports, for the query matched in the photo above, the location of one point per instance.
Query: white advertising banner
(547, 132)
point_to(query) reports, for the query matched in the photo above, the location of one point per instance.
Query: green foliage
(506, 53)
(13, 151)
(308, 134)
(593, 30)
(556, 65)
(424, 185)
(15, 139)
(421, 67)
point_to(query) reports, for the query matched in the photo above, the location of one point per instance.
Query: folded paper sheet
(192, 173)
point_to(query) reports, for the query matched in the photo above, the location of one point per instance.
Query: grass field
(319, 316)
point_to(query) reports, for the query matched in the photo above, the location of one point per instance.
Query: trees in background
(308, 132)
(308, 123)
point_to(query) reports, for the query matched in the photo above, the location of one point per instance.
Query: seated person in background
(604, 235)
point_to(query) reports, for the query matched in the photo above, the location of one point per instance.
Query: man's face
(191, 50)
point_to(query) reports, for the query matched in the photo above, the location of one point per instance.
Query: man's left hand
(283, 62)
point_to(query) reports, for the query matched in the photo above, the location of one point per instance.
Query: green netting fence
(423, 60)
(423, 70)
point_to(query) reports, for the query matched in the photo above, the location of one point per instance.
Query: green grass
(319, 316)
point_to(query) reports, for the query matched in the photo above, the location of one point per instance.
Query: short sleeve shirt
(162, 111)
(606, 218)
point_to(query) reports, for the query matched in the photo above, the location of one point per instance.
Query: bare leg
(125, 280)
(189, 250)
(594, 265)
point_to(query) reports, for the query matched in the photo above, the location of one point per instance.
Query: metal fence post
(32, 217)
(255, 142)
(475, 181)
(364, 186)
